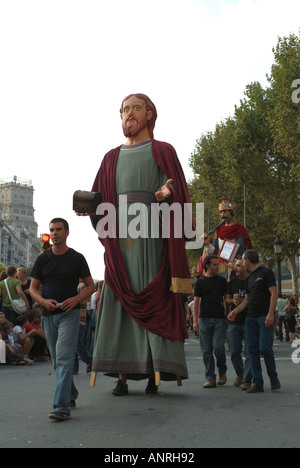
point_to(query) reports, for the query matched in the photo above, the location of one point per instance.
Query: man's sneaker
(256, 389)
(121, 389)
(210, 383)
(222, 379)
(151, 387)
(275, 385)
(59, 416)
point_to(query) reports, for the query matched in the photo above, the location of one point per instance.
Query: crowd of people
(22, 338)
(288, 318)
(287, 325)
(247, 312)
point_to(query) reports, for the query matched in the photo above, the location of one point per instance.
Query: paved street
(186, 417)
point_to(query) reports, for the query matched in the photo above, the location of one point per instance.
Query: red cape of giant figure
(233, 232)
(157, 308)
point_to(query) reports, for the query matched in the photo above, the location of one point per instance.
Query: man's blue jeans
(62, 338)
(212, 334)
(236, 336)
(260, 340)
(82, 350)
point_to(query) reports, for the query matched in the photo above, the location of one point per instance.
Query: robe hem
(141, 370)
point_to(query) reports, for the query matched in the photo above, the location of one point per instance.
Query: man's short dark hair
(208, 259)
(60, 220)
(251, 255)
(11, 270)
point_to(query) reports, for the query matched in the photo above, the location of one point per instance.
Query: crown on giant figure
(226, 204)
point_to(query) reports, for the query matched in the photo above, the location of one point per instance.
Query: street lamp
(278, 247)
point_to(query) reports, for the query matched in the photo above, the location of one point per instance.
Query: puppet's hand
(164, 192)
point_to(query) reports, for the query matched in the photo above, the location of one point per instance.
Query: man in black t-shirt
(211, 289)
(236, 291)
(261, 299)
(58, 271)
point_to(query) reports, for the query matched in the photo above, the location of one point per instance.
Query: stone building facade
(19, 243)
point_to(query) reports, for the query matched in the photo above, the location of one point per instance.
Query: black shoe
(275, 385)
(72, 405)
(256, 389)
(121, 389)
(151, 387)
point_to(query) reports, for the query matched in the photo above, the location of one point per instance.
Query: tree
(253, 149)
(284, 113)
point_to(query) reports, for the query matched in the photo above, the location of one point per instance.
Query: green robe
(122, 345)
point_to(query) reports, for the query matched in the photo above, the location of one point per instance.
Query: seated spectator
(21, 337)
(39, 348)
(14, 353)
(3, 321)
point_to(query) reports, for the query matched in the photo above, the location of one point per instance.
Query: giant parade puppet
(230, 232)
(141, 326)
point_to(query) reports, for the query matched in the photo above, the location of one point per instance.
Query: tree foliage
(258, 149)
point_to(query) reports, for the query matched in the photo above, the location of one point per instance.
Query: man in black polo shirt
(211, 288)
(261, 299)
(58, 271)
(236, 290)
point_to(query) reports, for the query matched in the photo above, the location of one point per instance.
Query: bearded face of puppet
(135, 116)
(132, 126)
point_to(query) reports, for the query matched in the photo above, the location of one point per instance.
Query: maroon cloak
(158, 308)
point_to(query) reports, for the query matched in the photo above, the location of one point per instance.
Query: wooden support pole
(157, 378)
(93, 379)
(179, 381)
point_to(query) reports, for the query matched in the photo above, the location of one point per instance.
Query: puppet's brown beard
(134, 127)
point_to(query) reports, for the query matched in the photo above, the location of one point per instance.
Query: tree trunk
(294, 272)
